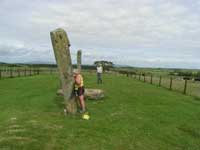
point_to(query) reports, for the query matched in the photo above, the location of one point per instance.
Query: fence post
(15, 73)
(144, 78)
(25, 72)
(11, 73)
(139, 76)
(0, 73)
(185, 87)
(151, 79)
(170, 86)
(160, 80)
(38, 71)
(35, 72)
(18, 72)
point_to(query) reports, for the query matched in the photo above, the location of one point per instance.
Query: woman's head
(76, 71)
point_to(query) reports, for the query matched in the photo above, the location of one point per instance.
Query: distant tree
(198, 74)
(184, 73)
(106, 64)
(171, 73)
(197, 79)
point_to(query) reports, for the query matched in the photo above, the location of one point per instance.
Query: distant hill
(39, 62)
(117, 65)
(3, 63)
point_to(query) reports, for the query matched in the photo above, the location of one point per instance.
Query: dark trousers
(99, 78)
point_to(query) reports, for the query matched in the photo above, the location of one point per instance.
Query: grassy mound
(133, 115)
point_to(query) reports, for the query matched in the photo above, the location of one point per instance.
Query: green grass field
(133, 115)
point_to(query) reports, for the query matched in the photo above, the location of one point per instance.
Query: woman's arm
(78, 80)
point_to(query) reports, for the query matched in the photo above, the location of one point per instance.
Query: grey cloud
(12, 49)
(117, 30)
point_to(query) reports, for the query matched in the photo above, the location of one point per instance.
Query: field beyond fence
(174, 83)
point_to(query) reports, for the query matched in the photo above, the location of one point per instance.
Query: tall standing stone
(61, 44)
(79, 61)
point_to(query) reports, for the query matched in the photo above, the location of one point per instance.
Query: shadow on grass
(59, 101)
(196, 98)
(192, 132)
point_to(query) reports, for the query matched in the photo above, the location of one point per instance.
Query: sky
(142, 33)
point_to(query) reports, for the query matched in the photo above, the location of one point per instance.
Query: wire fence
(173, 83)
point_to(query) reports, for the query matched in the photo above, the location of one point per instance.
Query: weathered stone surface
(61, 44)
(79, 61)
(91, 94)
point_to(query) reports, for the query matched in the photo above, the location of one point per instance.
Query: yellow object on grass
(86, 117)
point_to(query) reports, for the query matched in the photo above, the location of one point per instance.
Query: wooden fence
(11, 72)
(160, 80)
(173, 83)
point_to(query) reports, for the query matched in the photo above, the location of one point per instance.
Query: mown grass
(133, 115)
